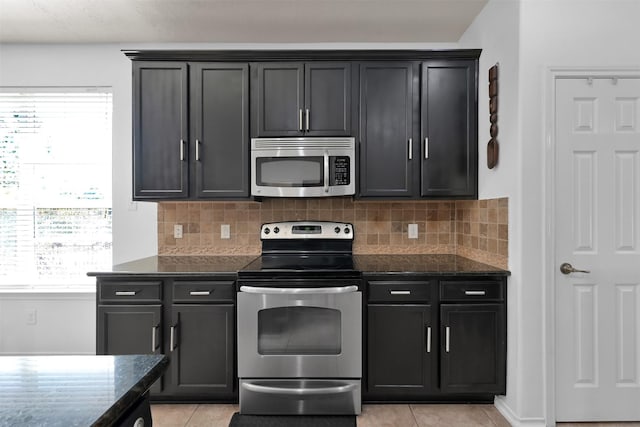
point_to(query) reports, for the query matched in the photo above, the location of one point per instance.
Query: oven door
(299, 332)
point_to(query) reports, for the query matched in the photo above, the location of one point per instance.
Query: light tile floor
(400, 415)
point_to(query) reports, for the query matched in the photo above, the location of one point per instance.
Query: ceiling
(235, 21)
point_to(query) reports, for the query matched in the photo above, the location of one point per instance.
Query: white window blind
(55, 186)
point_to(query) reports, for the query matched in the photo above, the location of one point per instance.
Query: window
(55, 186)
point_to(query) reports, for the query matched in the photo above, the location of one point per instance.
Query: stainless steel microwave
(303, 167)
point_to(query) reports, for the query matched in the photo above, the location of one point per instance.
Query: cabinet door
(220, 129)
(473, 348)
(388, 150)
(160, 164)
(202, 359)
(400, 350)
(279, 99)
(449, 143)
(327, 99)
(130, 329)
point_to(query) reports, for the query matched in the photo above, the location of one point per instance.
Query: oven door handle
(299, 391)
(298, 291)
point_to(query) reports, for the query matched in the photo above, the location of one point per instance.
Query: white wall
(528, 37)
(496, 30)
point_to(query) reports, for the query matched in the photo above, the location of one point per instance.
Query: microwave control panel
(339, 171)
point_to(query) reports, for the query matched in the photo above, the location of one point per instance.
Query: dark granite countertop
(433, 264)
(73, 390)
(179, 265)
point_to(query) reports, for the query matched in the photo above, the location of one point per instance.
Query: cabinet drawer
(135, 291)
(470, 290)
(395, 291)
(194, 291)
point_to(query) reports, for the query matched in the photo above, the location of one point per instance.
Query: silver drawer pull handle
(200, 293)
(172, 333)
(428, 339)
(400, 292)
(299, 391)
(475, 293)
(298, 291)
(126, 293)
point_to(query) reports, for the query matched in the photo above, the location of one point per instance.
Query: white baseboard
(513, 419)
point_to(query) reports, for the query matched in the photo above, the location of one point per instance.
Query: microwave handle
(326, 171)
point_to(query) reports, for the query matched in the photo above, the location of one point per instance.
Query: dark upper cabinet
(191, 124)
(219, 97)
(474, 351)
(449, 142)
(388, 110)
(202, 354)
(302, 99)
(160, 123)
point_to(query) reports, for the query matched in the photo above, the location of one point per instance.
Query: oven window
(290, 171)
(299, 330)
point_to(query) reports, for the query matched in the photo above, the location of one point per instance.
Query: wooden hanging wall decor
(492, 146)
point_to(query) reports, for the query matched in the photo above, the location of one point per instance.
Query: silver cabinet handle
(410, 148)
(426, 148)
(400, 292)
(200, 293)
(181, 149)
(172, 333)
(298, 291)
(446, 339)
(197, 150)
(299, 391)
(567, 268)
(153, 338)
(126, 293)
(475, 293)
(307, 115)
(300, 120)
(428, 339)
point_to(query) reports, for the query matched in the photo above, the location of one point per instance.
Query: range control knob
(276, 230)
(266, 230)
(337, 230)
(346, 230)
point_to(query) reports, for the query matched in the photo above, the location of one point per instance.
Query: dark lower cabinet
(130, 329)
(202, 354)
(400, 354)
(474, 350)
(435, 338)
(189, 319)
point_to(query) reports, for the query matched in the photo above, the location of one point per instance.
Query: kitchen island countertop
(73, 390)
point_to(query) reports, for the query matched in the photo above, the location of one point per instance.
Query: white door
(598, 229)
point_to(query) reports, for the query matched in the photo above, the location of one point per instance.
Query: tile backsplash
(475, 229)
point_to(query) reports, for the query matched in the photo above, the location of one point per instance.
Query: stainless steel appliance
(300, 322)
(303, 167)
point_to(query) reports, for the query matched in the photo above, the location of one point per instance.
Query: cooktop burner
(292, 262)
(303, 248)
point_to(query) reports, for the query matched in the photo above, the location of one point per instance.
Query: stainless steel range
(300, 322)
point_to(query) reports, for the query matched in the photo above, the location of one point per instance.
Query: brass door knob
(567, 268)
